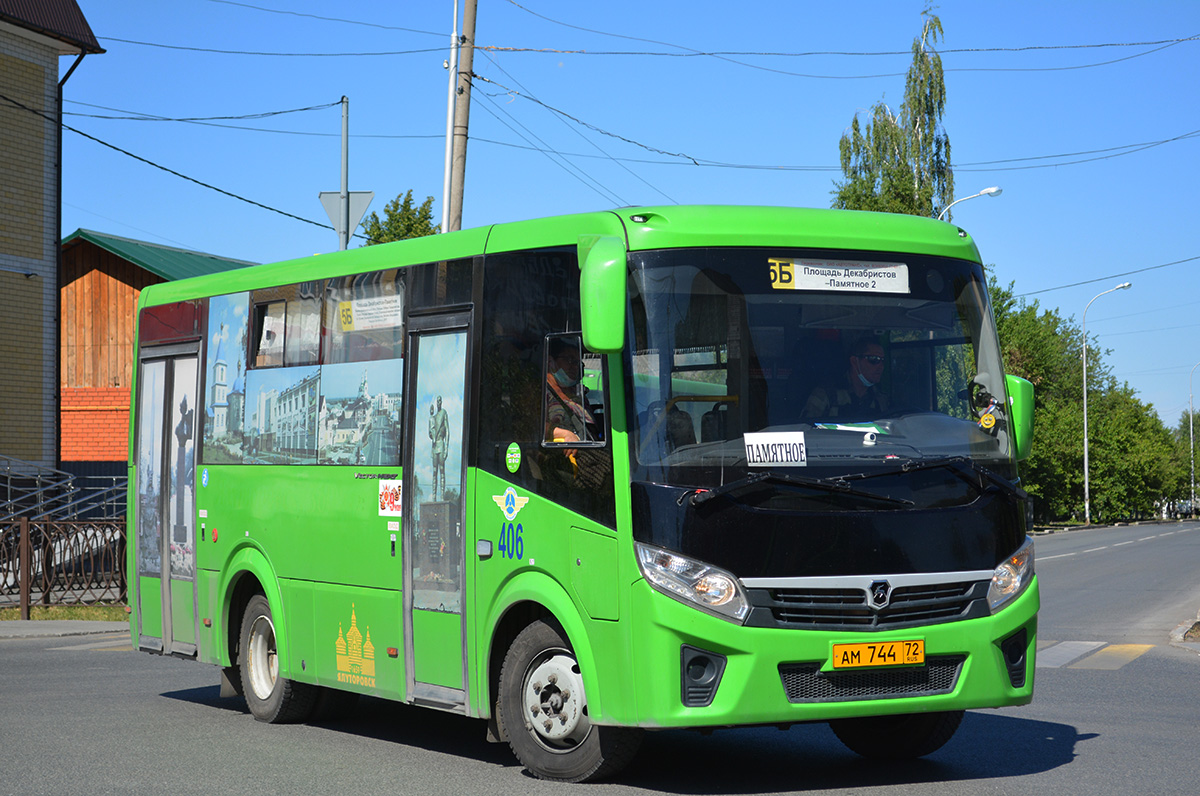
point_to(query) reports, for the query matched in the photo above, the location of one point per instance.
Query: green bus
(592, 475)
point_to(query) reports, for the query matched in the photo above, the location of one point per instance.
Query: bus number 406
(511, 544)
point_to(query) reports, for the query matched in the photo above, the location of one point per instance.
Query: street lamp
(995, 190)
(1087, 500)
(1192, 440)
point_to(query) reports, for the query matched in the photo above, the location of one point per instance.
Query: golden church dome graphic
(355, 653)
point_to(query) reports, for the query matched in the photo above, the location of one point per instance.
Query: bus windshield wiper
(839, 487)
(964, 466)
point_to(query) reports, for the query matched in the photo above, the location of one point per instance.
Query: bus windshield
(826, 363)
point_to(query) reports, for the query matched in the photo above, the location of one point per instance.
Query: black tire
(543, 712)
(897, 737)
(271, 698)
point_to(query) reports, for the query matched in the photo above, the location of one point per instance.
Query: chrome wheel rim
(554, 702)
(262, 662)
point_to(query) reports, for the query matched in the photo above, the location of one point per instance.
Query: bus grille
(805, 682)
(849, 609)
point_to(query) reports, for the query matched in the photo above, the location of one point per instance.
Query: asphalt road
(1115, 711)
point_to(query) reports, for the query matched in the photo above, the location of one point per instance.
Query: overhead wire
(970, 167)
(327, 19)
(161, 167)
(1110, 276)
(216, 51)
(593, 144)
(589, 125)
(549, 153)
(695, 52)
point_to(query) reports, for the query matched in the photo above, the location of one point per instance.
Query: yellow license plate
(878, 653)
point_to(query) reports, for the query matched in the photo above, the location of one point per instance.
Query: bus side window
(364, 317)
(268, 335)
(529, 299)
(574, 394)
(302, 335)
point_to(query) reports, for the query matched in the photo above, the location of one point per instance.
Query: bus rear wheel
(897, 737)
(543, 711)
(271, 698)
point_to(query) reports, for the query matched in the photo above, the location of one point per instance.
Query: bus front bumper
(692, 669)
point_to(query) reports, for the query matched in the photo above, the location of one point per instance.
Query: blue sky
(771, 122)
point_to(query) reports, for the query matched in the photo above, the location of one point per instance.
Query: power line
(215, 51)
(589, 125)
(593, 144)
(550, 154)
(823, 53)
(722, 57)
(969, 167)
(1111, 276)
(160, 166)
(146, 117)
(194, 180)
(688, 53)
(327, 19)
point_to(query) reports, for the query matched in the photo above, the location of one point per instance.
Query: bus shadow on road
(807, 757)
(810, 758)
(384, 720)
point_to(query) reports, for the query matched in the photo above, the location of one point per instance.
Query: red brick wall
(95, 424)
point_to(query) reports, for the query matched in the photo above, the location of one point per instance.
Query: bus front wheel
(897, 737)
(543, 710)
(271, 698)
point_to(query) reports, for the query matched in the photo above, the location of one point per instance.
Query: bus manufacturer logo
(355, 654)
(510, 503)
(880, 592)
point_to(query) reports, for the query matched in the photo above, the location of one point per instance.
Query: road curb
(57, 628)
(1178, 634)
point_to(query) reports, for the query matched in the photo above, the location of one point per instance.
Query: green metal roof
(166, 261)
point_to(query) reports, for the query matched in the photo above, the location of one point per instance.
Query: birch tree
(899, 162)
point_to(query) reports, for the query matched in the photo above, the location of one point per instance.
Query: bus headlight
(1011, 577)
(694, 582)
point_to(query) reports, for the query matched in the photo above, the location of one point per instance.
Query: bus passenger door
(166, 499)
(436, 407)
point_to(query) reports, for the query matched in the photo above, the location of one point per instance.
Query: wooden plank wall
(99, 304)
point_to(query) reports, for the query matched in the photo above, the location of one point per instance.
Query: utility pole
(462, 113)
(452, 65)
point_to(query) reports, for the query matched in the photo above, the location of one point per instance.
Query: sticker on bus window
(390, 504)
(364, 314)
(843, 275)
(775, 449)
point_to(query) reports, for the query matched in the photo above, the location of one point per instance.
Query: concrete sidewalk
(52, 628)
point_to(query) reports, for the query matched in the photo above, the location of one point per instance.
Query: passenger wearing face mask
(568, 418)
(858, 397)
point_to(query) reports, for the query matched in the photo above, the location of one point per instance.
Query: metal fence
(61, 563)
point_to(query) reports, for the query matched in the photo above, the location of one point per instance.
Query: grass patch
(93, 613)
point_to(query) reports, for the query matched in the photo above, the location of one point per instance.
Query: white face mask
(865, 381)
(563, 379)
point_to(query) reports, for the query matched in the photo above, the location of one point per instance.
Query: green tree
(1187, 445)
(1043, 347)
(401, 221)
(900, 162)
(1135, 460)
(1137, 464)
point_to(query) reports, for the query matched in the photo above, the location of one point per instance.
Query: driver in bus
(858, 396)
(567, 416)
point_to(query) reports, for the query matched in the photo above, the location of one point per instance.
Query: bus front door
(166, 500)
(436, 409)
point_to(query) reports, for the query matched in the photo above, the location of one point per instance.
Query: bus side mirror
(1020, 414)
(602, 292)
